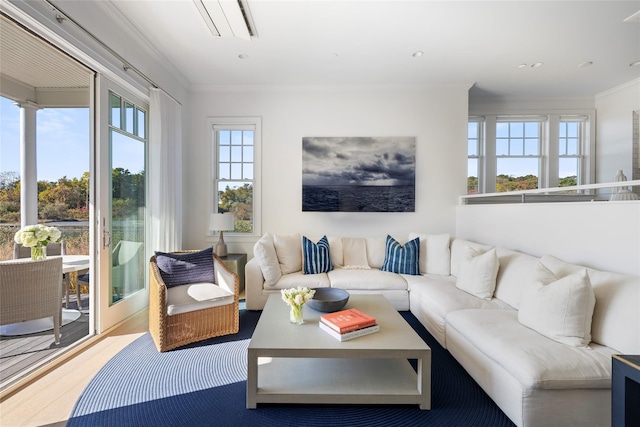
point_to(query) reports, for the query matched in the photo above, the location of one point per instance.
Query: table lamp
(221, 222)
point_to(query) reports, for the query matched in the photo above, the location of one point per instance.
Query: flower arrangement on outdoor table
(37, 237)
(296, 298)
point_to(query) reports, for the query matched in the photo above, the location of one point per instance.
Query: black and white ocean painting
(358, 174)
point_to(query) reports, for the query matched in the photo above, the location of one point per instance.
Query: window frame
(549, 146)
(235, 123)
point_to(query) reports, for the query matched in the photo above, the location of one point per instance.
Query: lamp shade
(222, 222)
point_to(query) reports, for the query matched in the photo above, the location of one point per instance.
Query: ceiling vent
(227, 18)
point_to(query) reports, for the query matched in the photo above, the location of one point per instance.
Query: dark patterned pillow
(402, 259)
(317, 258)
(182, 269)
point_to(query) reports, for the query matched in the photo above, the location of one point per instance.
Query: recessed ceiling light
(536, 65)
(417, 54)
(523, 65)
(243, 56)
(634, 64)
(585, 64)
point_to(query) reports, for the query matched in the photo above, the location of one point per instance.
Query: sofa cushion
(196, 296)
(536, 361)
(355, 253)
(336, 250)
(376, 248)
(293, 280)
(265, 253)
(373, 279)
(180, 269)
(616, 318)
(559, 308)
(458, 249)
(289, 250)
(435, 256)
(316, 256)
(515, 273)
(402, 259)
(478, 273)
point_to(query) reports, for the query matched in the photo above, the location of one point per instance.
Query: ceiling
(301, 42)
(365, 42)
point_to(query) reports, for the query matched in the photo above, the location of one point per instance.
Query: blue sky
(62, 138)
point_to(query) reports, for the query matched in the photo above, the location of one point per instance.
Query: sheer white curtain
(165, 172)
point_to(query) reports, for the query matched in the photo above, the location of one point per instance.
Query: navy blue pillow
(182, 269)
(402, 259)
(316, 256)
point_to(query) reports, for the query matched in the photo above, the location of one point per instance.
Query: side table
(625, 390)
(236, 263)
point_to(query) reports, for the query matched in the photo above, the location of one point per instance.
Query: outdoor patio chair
(191, 312)
(53, 249)
(31, 290)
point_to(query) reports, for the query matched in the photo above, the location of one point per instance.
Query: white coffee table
(303, 364)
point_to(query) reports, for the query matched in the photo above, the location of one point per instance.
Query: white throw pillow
(289, 250)
(559, 308)
(478, 273)
(265, 253)
(435, 256)
(355, 253)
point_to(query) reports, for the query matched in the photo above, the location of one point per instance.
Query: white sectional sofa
(537, 334)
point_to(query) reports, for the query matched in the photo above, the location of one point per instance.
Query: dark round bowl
(328, 300)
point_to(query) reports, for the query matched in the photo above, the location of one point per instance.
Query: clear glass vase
(38, 253)
(295, 314)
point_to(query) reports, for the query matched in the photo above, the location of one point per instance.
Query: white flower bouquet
(296, 297)
(37, 235)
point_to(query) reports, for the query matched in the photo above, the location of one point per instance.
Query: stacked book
(348, 324)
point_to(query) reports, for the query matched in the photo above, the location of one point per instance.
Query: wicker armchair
(176, 330)
(31, 290)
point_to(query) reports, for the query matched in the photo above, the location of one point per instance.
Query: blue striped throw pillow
(181, 269)
(316, 256)
(402, 259)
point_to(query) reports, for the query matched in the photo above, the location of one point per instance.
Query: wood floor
(48, 400)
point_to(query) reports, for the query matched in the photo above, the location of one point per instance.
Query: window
(236, 144)
(510, 153)
(517, 155)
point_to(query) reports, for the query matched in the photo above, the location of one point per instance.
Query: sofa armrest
(254, 284)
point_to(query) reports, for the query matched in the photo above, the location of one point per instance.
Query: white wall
(437, 117)
(602, 235)
(614, 132)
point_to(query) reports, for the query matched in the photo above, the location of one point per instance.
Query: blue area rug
(204, 384)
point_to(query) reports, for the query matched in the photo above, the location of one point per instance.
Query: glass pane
(502, 147)
(472, 176)
(502, 130)
(129, 124)
(516, 129)
(516, 147)
(572, 129)
(114, 110)
(224, 154)
(563, 129)
(248, 137)
(237, 197)
(247, 170)
(127, 216)
(572, 147)
(236, 170)
(568, 172)
(472, 147)
(236, 137)
(141, 123)
(236, 154)
(472, 130)
(531, 147)
(562, 146)
(247, 154)
(531, 129)
(224, 137)
(516, 174)
(224, 171)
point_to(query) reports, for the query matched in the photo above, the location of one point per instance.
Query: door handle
(106, 235)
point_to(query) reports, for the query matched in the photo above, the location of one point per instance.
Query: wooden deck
(20, 353)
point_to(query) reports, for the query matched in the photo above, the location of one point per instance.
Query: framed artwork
(358, 174)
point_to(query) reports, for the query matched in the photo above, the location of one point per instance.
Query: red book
(347, 320)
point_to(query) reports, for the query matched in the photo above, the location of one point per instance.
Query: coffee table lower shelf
(336, 381)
